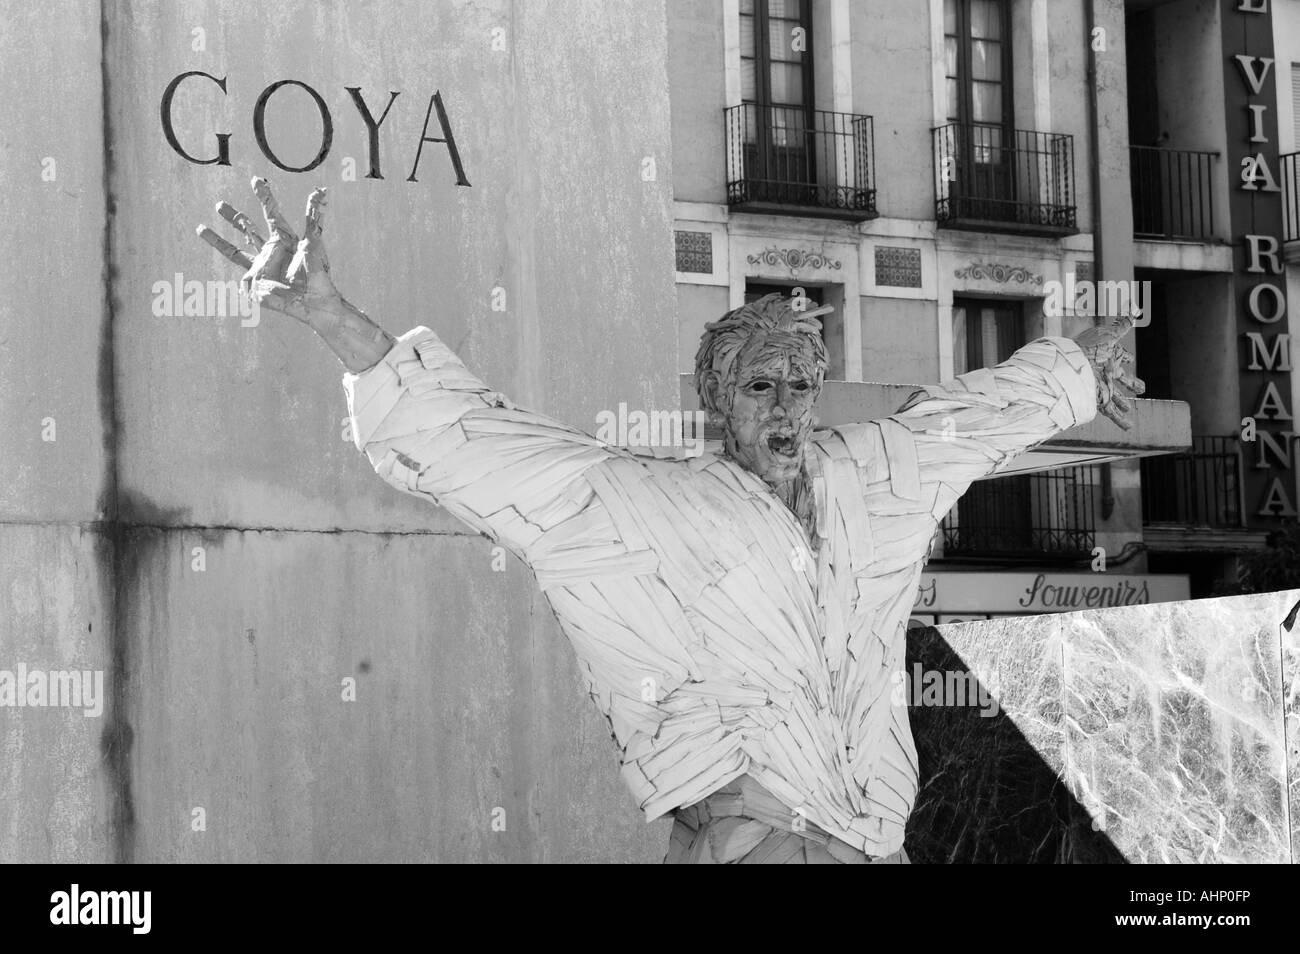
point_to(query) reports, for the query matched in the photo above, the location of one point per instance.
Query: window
(776, 83)
(985, 333)
(989, 175)
(784, 156)
(977, 53)
(775, 56)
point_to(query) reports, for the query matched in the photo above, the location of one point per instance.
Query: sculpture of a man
(737, 616)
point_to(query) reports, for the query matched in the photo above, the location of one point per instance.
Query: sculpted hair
(772, 315)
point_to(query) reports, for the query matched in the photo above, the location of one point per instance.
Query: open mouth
(783, 445)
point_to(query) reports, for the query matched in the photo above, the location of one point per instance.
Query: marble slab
(991, 791)
(1148, 734)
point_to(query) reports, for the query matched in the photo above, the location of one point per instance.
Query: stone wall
(180, 505)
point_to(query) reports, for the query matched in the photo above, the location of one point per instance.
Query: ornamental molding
(1002, 274)
(792, 258)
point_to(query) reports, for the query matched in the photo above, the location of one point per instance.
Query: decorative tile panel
(694, 252)
(898, 267)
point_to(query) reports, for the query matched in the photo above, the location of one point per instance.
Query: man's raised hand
(292, 276)
(281, 272)
(1116, 388)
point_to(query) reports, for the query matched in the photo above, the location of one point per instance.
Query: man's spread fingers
(242, 259)
(315, 214)
(314, 242)
(1121, 419)
(271, 209)
(1136, 385)
(242, 222)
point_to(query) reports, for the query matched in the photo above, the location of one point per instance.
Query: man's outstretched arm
(913, 465)
(429, 427)
(977, 424)
(432, 429)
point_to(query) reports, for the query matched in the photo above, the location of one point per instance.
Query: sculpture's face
(768, 409)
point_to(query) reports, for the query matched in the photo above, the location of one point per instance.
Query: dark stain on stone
(363, 666)
(124, 551)
(127, 557)
(140, 511)
(117, 736)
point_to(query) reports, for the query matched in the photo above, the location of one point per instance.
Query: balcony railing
(1172, 193)
(1291, 196)
(794, 161)
(1201, 488)
(994, 179)
(1049, 514)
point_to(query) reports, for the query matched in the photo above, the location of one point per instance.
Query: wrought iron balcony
(1291, 197)
(1200, 488)
(792, 161)
(1035, 516)
(1172, 193)
(994, 179)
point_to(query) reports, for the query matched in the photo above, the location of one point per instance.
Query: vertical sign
(1259, 286)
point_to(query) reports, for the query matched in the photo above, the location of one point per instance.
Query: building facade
(959, 177)
(1209, 139)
